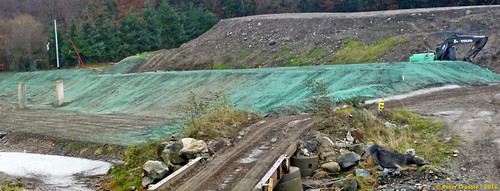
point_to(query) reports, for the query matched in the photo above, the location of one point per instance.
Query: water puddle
(251, 156)
(59, 171)
(229, 178)
(414, 93)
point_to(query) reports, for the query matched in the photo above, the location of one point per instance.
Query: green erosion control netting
(263, 90)
(259, 89)
(126, 64)
(38, 84)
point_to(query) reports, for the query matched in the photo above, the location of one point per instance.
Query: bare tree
(23, 42)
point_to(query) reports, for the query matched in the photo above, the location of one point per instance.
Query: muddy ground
(116, 129)
(241, 166)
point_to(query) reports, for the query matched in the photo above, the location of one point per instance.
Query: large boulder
(170, 153)
(348, 160)
(332, 167)
(326, 149)
(345, 184)
(194, 148)
(153, 171)
(391, 159)
(361, 172)
(358, 148)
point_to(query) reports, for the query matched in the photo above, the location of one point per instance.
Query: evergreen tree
(68, 53)
(308, 6)
(132, 35)
(172, 31)
(196, 20)
(237, 8)
(152, 27)
(112, 42)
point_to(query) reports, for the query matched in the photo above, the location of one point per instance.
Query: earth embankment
(130, 108)
(315, 38)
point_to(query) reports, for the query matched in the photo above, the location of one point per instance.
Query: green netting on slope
(263, 90)
(126, 64)
(39, 85)
(259, 89)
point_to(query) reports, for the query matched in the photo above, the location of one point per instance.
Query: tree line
(102, 37)
(110, 30)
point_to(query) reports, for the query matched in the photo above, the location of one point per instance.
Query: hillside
(319, 38)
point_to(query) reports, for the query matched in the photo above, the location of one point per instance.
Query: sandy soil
(472, 113)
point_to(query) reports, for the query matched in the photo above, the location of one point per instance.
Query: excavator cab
(448, 50)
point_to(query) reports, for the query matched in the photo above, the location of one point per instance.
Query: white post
(57, 45)
(60, 93)
(21, 95)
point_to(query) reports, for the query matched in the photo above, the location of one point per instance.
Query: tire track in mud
(77, 126)
(243, 165)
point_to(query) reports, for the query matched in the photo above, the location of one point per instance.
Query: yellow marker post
(381, 103)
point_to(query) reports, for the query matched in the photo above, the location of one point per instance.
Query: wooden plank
(272, 177)
(175, 176)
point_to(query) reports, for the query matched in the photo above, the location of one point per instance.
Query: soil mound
(314, 38)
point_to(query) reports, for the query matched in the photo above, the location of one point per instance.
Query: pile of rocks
(335, 156)
(174, 155)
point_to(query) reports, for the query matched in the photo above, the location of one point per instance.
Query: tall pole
(57, 45)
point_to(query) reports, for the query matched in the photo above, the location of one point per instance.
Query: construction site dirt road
(470, 112)
(241, 166)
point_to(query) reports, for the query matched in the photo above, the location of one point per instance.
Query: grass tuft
(12, 185)
(224, 64)
(215, 117)
(282, 53)
(130, 174)
(355, 52)
(244, 54)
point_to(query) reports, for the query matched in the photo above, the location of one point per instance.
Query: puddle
(229, 178)
(58, 171)
(251, 157)
(296, 121)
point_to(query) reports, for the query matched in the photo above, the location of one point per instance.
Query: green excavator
(448, 51)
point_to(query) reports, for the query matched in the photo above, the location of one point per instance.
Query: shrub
(214, 117)
(321, 101)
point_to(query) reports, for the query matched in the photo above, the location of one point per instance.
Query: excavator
(448, 51)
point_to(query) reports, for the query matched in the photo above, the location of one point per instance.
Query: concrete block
(291, 185)
(307, 164)
(293, 174)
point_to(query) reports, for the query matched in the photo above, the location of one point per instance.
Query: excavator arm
(448, 51)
